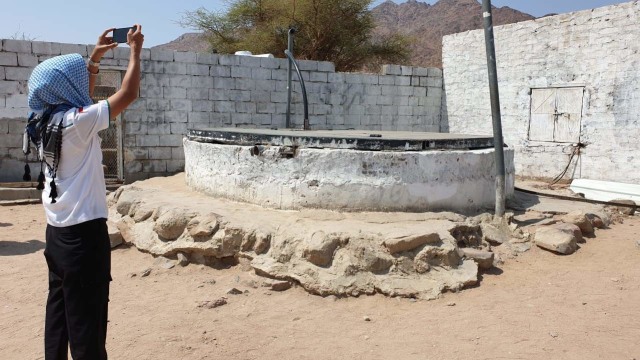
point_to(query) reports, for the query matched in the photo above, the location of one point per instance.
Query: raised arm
(104, 44)
(128, 93)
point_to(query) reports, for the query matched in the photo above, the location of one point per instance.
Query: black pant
(79, 260)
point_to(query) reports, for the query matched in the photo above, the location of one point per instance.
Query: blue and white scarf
(56, 85)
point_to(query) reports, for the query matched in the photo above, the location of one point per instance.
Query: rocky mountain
(426, 24)
(422, 23)
(187, 42)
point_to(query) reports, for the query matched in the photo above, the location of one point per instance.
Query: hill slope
(424, 24)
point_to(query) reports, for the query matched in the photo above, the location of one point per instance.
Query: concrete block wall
(595, 49)
(183, 90)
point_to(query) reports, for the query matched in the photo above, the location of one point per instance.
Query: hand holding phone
(120, 35)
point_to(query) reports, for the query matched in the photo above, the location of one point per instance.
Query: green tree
(340, 31)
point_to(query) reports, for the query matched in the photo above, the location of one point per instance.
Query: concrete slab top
(342, 139)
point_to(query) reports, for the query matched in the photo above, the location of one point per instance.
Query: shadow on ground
(482, 274)
(522, 201)
(5, 224)
(13, 248)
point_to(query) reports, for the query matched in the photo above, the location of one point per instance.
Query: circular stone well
(345, 170)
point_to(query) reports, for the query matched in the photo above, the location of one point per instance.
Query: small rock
(571, 228)
(451, 303)
(520, 248)
(115, 236)
(169, 265)
(210, 282)
(132, 275)
(164, 263)
(203, 226)
(553, 334)
(484, 259)
(624, 209)
(320, 248)
(332, 298)
(366, 337)
(579, 219)
(406, 243)
(251, 283)
(125, 225)
(280, 285)
(638, 244)
(213, 304)
(596, 221)
(493, 235)
(234, 291)
(171, 224)
(245, 264)
(546, 222)
(559, 239)
(140, 212)
(366, 318)
(262, 244)
(145, 272)
(182, 259)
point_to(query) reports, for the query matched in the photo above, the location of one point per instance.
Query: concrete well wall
(182, 90)
(596, 51)
(347, 180)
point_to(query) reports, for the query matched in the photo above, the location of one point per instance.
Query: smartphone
(120, 35)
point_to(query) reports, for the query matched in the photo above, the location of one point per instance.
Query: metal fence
(107, 83)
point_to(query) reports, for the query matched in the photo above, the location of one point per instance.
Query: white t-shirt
(80, 177)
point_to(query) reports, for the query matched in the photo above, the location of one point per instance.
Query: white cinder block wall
(595, 49)
(182, 90)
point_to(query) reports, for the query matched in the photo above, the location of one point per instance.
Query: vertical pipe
(305, 103)
(289, 69)
(495, 107)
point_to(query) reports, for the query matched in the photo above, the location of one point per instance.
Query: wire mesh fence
(107, 83)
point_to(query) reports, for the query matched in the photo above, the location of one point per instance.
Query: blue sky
(81, 21)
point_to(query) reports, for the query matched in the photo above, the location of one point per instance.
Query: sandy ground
(536, 306)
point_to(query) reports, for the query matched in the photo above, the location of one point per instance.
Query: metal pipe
(304, 90)
(290, 49)
(495, 107)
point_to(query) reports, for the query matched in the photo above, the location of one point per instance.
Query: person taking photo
(64, 124)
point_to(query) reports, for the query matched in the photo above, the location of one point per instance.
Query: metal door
(107, 83)
(556, 114)
(543, 104)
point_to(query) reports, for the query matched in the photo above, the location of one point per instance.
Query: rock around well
(326, 252)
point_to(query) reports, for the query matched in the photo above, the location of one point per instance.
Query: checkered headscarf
(60, 80)
(56, 85)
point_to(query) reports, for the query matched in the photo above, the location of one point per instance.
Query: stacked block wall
(183, 90)
(595, 49)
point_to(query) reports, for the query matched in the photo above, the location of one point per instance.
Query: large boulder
(560, 238)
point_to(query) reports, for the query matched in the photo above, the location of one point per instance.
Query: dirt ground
(536, 306)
